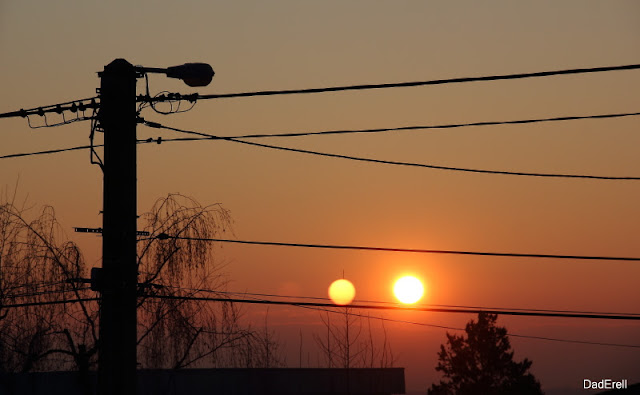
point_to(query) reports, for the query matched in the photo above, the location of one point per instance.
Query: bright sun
(408, 289)
(342, 292)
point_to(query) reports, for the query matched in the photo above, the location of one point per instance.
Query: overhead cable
(52, 151)
(67, 301)
(442, 126)
(409, 84)
(389, 162)
(359, 301)
(409, 250)
(343, 131)
(634, 317)
(329, 310)
(74, 106)
(510, 334)
(43, 293)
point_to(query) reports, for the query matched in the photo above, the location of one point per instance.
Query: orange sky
(52, 51)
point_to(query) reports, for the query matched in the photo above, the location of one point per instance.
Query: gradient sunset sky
(50, 52)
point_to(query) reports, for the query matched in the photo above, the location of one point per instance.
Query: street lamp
(193, 74)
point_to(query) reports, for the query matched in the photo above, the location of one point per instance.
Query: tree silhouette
(40, 265)
(177, 333)
(482, 363)
(348, 345)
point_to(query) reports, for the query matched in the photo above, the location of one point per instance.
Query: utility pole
(117, 281)
(119, 274)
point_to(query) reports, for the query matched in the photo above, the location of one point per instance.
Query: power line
(411, 250)
(387, 162)
(554, 339)
(79, 300)
(80, 105)
(43, 292)
(407, 84)
(73, 106)
(442, 126)
(53, 151)
(319, 305)
(35, 285)
(328, 132)
(253, 296)
(634, 317)
(413, 322)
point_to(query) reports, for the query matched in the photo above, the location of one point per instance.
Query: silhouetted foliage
(348, 345)
(38, 264)
(177, 333)
(482, 363)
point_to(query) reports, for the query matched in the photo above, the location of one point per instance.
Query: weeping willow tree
(174, 262)
(39, 271)
(40, 268)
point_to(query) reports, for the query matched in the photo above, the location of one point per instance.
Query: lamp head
(193, 74)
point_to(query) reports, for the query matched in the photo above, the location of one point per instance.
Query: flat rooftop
(249, 381)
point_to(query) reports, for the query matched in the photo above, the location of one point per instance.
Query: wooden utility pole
(119, 274)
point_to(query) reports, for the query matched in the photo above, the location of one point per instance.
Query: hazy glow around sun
(342, 292)
(408, 289)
